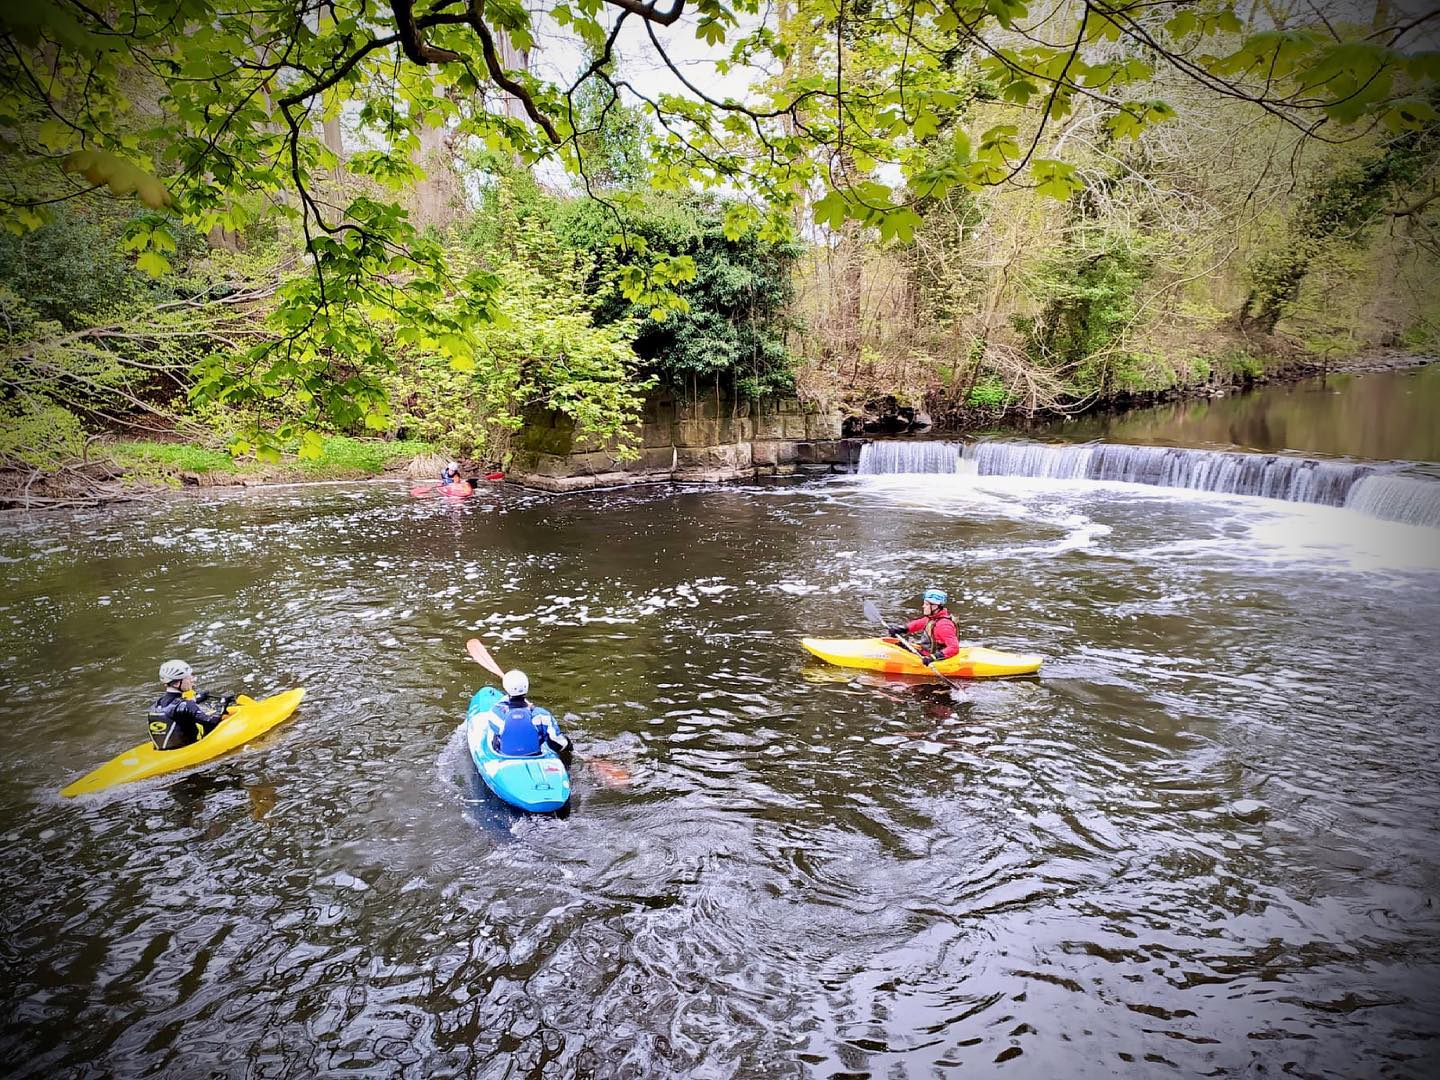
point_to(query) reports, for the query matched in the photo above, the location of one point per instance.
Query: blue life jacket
(519, 737)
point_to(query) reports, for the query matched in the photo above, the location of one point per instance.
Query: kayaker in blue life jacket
(180, 716)
(520, 729)
(450, 474)
(935, 629)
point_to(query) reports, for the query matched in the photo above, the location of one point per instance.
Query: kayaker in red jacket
(938, 638)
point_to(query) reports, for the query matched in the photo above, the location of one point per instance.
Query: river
(1204, 840)
(1379, 415)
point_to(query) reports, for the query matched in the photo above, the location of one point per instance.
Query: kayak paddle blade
(481, 656)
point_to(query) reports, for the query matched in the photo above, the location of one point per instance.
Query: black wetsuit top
(176, 720)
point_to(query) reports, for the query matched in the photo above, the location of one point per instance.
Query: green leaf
(153, 263)
(831, 210)
(1055, 179)
(312, 446)
(1181, 25)
(1409, 114)
(899, 224)
(926, 125)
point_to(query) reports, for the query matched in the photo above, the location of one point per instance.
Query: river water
(1379, 415)
(1203, 841)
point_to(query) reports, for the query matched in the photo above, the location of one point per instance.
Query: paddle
(481, 656)
(872, 612)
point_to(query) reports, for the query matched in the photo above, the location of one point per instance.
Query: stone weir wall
(708, 440)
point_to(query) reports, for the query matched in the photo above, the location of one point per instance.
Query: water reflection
(1383, 415)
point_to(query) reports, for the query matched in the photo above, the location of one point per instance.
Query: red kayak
(460, 490)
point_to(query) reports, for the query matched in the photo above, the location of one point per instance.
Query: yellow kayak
(882, 654)
(246, 719)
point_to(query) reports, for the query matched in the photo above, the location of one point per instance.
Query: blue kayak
(538, 782)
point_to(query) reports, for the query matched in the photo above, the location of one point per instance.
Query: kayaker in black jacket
(180, 716)
(521, 729)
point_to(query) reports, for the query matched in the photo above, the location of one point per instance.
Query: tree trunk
(437, 197)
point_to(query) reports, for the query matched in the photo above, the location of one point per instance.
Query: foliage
(542, 347)
(70, 269)
(1089, 289)
(611, 137)
(208, 115)
(1335, 209)
(734, 317)
(340, 457)
(989, 392)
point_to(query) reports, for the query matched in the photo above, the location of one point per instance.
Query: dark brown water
(1204, 841)
(1382, 415)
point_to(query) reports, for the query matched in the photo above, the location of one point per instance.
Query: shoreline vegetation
(118, 469)
(911, 217)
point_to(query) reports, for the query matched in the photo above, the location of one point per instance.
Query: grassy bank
(178, 463)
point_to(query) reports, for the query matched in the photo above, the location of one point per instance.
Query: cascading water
(919, 456)
(1362, 487)
(1408, 499)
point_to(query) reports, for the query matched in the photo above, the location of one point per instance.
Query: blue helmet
(935, 596)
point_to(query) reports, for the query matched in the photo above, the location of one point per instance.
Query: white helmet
(516, 683)
(173, 671)
(454, 466)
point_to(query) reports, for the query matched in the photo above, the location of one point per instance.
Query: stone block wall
(707, 440)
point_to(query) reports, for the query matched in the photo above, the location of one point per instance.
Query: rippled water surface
(1202, 842)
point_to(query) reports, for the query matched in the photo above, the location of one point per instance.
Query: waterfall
(1407, 499)
(910, 456)
(1271, 476)
(1369, 489)
(1032, 459)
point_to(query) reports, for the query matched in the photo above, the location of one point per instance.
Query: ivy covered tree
(728, 322)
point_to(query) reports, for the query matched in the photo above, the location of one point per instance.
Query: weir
(1367, 488)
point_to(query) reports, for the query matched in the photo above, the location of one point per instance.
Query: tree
(212, 114)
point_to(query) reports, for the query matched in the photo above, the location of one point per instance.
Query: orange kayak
(461, 489)
(882, 654)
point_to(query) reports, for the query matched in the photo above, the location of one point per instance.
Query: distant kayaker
(520, 729)
(450, 474)
(935, 629)
(180, 716)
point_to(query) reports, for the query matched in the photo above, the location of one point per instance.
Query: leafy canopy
(210, 114)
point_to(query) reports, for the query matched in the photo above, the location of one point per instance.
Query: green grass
(363, 455)
(343, 458)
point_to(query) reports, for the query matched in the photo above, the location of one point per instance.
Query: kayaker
(180, 716)
(520, 729)
(450, 474)
(938, 638)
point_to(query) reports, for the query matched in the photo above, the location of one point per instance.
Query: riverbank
(117, 470)
(120, 470)
(1240, 374)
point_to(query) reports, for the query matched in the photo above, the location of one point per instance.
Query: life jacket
(927, 635)
(518, 735)
(172, 722)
